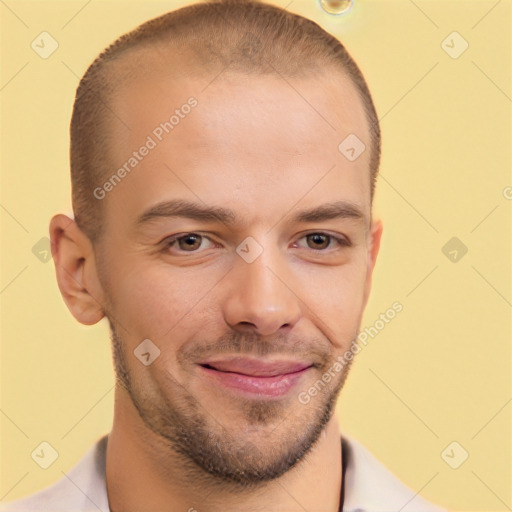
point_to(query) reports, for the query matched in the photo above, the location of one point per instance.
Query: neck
(144, 475)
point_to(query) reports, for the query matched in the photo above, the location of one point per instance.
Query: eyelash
(342, 242)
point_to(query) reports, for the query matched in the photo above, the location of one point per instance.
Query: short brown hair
(247, 35)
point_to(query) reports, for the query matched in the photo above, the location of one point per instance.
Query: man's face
(239, 336)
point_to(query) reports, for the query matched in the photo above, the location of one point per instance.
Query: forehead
(247, 134)
(157, 71)
(151, 81)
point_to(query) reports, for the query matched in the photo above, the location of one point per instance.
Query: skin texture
(265, 148)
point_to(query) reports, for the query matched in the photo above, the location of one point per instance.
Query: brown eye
(318, 241)
(324, 242)
(189, 242)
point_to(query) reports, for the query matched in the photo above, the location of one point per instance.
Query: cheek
(337, 301)
(158, 302)
(350, 289)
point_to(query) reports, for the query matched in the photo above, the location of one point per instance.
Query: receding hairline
(133, 62)
(142, 64)
(259, 39)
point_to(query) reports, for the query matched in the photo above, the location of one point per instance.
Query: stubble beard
(214, 453)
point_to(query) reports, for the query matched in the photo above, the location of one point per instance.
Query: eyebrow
(200, 212)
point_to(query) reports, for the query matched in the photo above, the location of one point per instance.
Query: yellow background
(439, 372)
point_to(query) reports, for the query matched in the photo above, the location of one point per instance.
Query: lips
(256, 368)
(254, 377)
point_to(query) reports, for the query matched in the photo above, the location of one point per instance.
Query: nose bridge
(260, 294)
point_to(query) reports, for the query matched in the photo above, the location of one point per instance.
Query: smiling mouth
(256, 377)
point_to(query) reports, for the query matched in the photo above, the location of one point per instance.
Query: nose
(261, 297)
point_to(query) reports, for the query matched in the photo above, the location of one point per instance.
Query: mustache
(317, 350)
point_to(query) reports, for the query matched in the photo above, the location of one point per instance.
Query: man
(223, 161)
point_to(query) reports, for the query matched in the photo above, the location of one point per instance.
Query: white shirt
(369, 486)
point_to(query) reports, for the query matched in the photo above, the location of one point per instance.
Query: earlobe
(75, 268)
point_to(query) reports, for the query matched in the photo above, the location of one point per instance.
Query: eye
(190, 242)
(321, 241)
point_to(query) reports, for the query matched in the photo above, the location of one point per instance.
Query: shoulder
(369, 486)
(81, 489)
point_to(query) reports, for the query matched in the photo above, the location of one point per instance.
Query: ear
(374, 237)
(75, 267)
